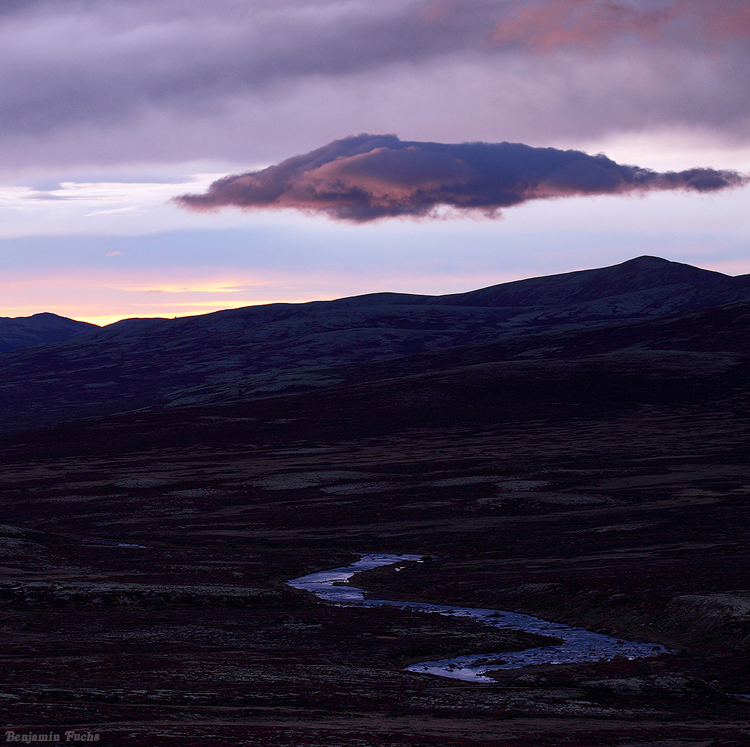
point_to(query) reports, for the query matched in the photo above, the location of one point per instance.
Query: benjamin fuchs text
(51, 736)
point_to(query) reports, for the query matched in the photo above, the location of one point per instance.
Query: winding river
(578, 645)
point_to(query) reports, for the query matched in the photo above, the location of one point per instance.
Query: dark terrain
(39, 329)
(581, 455)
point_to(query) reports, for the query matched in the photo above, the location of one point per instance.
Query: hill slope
(263, 351)
(39, 329)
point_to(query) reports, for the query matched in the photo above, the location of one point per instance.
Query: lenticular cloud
(368, 177)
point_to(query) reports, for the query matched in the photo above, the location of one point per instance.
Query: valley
(596, 475)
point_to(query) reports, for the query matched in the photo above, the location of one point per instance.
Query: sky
(175, 157)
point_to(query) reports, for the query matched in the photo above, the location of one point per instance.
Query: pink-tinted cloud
(544, 25)
(732, 22)
(368, 177)
(555, 23)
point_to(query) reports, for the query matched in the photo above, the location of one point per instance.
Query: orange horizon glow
(290, 289)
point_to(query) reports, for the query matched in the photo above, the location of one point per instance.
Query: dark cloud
(367, 177)
(82, 65)
(82, 62)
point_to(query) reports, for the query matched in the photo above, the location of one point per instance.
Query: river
(578, 645)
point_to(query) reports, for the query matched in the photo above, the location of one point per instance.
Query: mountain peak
(647, 259)
(39, 329)
(636, 275)
(649, 263)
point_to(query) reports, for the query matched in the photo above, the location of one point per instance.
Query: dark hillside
(258, 352)
(39, 329)
(635, 275)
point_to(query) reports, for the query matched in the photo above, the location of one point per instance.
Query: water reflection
(578, 645)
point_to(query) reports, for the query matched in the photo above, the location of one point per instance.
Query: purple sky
(110, 109)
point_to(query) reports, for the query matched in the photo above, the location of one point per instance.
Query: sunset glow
(116, 109)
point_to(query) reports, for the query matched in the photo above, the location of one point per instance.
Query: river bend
(578, 645)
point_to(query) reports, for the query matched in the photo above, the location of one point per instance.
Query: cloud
(132, 81)
(550, 24)
(367, 177)
(102, 62)
(544, 25)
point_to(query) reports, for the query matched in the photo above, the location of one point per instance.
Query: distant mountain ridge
(39, 329)
(633, 276)
(265, 351)
(639, 288)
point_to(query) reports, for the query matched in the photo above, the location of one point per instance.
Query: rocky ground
(143, 561)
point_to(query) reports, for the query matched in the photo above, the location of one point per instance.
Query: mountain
(644, 286)
(635, 276)
(39, 329)
(572, 447)
(264, 351)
